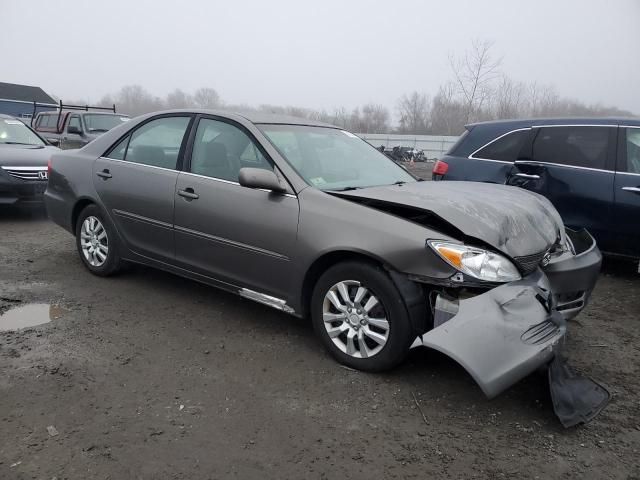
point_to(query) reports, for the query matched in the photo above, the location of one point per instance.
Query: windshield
(103, 123)
(15, 132)
(332, 159)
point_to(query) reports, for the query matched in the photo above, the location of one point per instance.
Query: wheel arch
(78, 207)
(322, 263)
(411, 292)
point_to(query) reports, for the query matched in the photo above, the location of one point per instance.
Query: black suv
(589, 169)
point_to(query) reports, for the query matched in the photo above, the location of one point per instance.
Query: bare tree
(178, 99)
(474, 73)
(133, 100)
(340, 118)
(509, 99)
(206, 98)
(448, 115)
(374, 119)
(414, 113)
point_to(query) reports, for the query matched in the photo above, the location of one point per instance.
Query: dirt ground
(147, 375)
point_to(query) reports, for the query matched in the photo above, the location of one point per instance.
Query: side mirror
(74, 129)
(260, 178)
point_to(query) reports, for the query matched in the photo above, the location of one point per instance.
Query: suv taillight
(440, 167)
(49, 166)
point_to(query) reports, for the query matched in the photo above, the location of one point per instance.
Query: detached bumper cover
(506, 333)
(502, 335)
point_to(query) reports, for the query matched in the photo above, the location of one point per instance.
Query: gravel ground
(147, 375)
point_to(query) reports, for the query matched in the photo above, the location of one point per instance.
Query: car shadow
(12, 213)
(620, 267)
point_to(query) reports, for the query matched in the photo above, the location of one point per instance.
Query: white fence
(434, 146)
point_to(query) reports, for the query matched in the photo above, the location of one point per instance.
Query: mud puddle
(30, 315)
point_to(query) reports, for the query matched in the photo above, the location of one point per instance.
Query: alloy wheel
(355, 319)
(94, 241)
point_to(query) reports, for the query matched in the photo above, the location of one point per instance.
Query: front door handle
(631, 189)
(528, 175)
(189, 194)
(104, 174)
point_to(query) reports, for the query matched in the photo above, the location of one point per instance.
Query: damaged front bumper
(504, 334)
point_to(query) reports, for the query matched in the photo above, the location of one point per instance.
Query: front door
(72, 140)
(573, 166)
(627, 193)
(136, 182)
(234, 234)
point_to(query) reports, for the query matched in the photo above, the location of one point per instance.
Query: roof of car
(563, 121)
(254, 117)
(271, 118)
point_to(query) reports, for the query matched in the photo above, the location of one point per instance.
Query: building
(18, 100)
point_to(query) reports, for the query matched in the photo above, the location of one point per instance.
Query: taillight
(49, 168)
(440, 167)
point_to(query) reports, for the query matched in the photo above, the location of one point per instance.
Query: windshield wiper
(18, 143)
(98, 130)
(399, 182)
(345, 189)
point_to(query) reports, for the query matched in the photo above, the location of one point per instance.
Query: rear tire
(360, 317)
(96, 242)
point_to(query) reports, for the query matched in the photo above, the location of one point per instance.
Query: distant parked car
(24, 158)
(312, 220)
(74, 129)
(588, 168)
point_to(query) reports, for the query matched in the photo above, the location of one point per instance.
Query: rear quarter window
(460, 140)
(505, 148)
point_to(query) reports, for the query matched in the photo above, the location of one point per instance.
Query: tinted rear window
(504, 148)
(572, 146)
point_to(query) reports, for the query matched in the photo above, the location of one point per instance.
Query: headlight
(478, 263)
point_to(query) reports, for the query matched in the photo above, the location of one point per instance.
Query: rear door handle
(104, 174)
(189, 194)
(528, 175)
(631, 189)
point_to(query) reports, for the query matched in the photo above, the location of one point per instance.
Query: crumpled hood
(511, 219)
(26, 155)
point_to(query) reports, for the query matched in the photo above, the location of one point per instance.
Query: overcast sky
(318, 54)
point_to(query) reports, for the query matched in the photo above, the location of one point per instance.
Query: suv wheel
(96, 242)
(360, 317)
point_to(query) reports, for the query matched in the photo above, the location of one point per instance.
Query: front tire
(360, 317)
(96, 242)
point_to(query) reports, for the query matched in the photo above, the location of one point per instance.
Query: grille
(540, 333)
(529, 263)
(27, 173)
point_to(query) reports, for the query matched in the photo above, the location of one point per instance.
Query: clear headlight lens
(478, 263)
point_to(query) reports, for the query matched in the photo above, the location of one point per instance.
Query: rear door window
(48, 121)
(572, 146)
(505, 148)
(632, 144)
(157, 143)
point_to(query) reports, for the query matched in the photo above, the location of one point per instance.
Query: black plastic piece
(576, 399)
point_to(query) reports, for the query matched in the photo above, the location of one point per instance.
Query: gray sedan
(309, 219)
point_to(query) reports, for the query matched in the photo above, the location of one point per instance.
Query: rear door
(573, 166)
(627, 193)
(136, 183)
